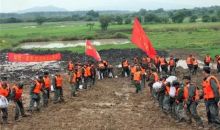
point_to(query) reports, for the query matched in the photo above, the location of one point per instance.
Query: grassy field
(201, 37)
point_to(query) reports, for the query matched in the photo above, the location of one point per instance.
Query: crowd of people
(179, 99)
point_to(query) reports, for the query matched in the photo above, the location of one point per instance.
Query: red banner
(91, 51)
(14, 57)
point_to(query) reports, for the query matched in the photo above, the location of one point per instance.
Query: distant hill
(43, 9)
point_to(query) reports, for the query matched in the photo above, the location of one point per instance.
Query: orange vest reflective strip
(172, 62)
(37, 88)
(208, 59)
(156, 77)
(59, 81)
(125, 64)
(70, 66)
(47, 82)
(162, 61)
(137, 76)
(4, 92)
(18, 92)
(207, 88)
(189, 61)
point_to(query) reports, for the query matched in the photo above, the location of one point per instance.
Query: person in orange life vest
(16, 95)
(101, 68)
(87, 76)
(157, 63)
(161, 91)
(133, 69)
(58, 87)
(178, 107)
(211, 88)
(154, 77)
(144, 62)
(166, 100)
(143, 78)
(189, 62)
(46, 87)
(110, 71)
(70, 66)
(207, 60)
(93, 72)
(218, 63)
(74, 82)
(105, 62)
(35, 90)
(137, 79)
(163, 64)
(195, 66)
(172, 65)
(125, 67)
(4, 91)
(191, 98)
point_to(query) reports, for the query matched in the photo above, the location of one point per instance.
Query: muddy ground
(110, 105)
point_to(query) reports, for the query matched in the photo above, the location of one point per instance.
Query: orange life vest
(4, 92)
(189, 61)
(70, 66)
(73, 79)
(87, 71)
(125, 63)
(18, 92)
(137, 76)
(172, 62)
(38, 87)
(207, 59)
(156, 77)
(167, 90)
(47, 82)
(195, 62)
(186, 93)
(162, 61)
(207, 88)
(133, 69)
(59, 81)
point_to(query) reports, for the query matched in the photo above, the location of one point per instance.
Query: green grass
(201, 37)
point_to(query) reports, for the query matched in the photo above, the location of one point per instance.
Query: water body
(64, 44)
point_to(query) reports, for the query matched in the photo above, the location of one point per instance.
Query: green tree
(206, 18)
(214, 19)
(193, 19)
(104, 21)
(40, 20)
(128, 21)
(119, 20)
(92, 13)
(90, 25)
(178, 17)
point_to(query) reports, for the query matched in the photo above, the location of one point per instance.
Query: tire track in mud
(110, 105)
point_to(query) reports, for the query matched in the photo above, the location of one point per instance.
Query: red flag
(91, 51)
(140, 38)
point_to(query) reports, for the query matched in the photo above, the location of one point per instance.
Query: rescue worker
(137, 79)
(111, 71)
(16, 96)
(73, 83)
(189, 62)
(172, 65)
(163, 65)
(70, 66)
(125, 67)
(105, 63)
(211, 89)
(93, 73)
(46, 87)
(143, 78)
(157, 63)
(35, 89)
(166, 100)
(101, 68)
(153, 78)
(133, 70)
(5, 92)
(58, 87)
(195, 66)
(207, 60)
(218, 63)
(161, 91)
(87, 76)
(191, 98)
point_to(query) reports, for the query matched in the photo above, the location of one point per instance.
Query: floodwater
(65, 44)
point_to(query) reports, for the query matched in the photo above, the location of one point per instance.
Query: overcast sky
(71, 5)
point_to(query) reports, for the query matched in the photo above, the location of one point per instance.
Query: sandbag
(157, 85)
(3, 102)
(170, 79)
(172, 91)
